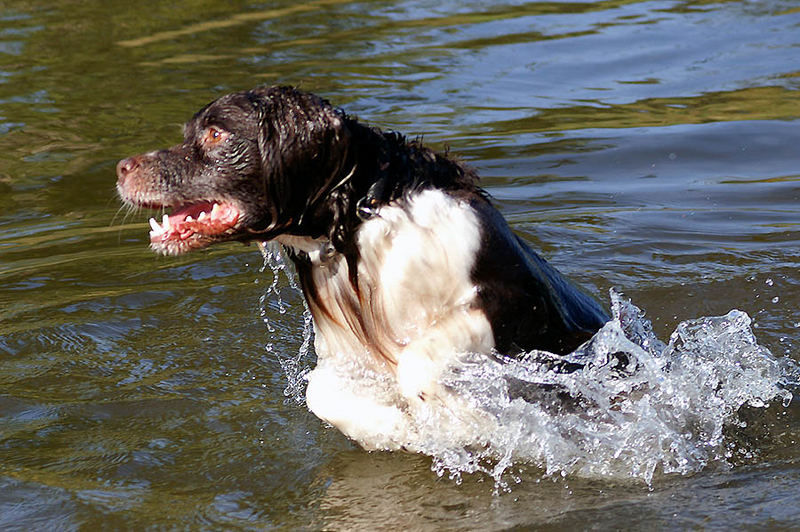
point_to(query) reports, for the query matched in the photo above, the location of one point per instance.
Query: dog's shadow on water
(400, 492)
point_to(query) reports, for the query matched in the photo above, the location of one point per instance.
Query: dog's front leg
(359, 414)
(423, 363)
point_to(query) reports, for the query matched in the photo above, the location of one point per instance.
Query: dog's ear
(304, 145)
(269, 155)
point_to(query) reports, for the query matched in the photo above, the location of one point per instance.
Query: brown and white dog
(402, 258)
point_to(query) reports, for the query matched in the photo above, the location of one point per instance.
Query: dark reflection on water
(648, 145)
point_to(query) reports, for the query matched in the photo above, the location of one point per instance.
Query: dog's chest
(414, 281)
(413, 310)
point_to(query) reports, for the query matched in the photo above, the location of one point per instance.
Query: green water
(651, 146)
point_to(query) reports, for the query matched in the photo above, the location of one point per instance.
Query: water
(663, 410)
(650, 146)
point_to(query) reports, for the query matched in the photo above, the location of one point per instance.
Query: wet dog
(403, 260)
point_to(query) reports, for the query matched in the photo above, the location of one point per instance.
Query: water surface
(644, 145)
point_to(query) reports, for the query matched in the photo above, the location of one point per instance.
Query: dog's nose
(125, 167)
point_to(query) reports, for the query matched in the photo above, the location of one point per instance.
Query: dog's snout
(126, 167)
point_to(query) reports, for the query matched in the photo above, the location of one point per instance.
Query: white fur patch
(382, 350)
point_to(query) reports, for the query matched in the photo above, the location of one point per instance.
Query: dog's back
(527, 302)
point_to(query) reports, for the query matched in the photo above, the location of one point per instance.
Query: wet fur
(401, 256)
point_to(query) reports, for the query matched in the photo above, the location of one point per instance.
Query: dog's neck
(317, 250)
(378, 168)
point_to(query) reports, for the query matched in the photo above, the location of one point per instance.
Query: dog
(403, 260)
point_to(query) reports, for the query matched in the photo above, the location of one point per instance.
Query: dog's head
(252, 165)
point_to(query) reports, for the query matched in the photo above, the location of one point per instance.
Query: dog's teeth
(215, 209)
(203, 215)
(154, 225)
(189, 219)
(165, 222)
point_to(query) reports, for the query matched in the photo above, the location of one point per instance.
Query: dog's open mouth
(193, 226)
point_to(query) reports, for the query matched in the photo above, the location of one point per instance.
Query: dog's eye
(214, 135)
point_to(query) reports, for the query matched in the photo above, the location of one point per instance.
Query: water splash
(639, 407)
(297, 366)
